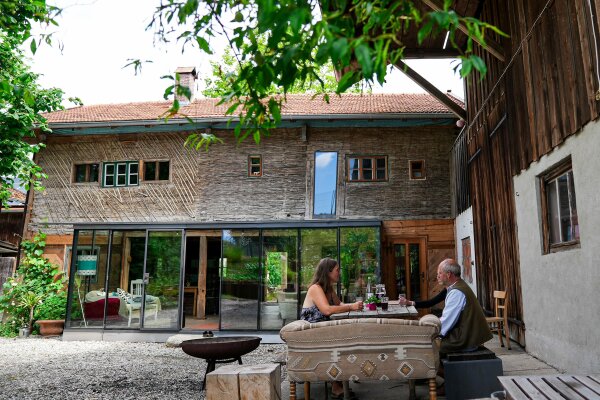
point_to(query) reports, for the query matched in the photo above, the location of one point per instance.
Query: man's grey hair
(450, 265)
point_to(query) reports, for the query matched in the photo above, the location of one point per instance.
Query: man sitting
(464, 327)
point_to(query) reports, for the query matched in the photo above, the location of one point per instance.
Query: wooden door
(409, 268)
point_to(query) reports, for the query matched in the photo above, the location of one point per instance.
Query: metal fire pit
(220, 350)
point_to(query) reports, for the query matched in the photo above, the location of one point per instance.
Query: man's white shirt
(455, 303)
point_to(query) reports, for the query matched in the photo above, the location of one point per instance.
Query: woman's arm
(441, 296)
(319, 299)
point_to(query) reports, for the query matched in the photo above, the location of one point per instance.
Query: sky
(98, 37)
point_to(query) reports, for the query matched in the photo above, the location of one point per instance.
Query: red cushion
(95, 309)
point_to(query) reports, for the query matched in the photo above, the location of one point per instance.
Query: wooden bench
(551, 387)
(244, 382)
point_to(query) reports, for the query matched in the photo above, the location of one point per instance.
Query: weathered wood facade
(521, 110)
(215, 187)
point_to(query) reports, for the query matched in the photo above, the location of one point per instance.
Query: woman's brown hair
(321, 275)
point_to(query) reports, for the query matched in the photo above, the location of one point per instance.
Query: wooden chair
(499, 322)
(137, 287)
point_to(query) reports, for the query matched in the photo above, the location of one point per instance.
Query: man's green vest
(471, 329)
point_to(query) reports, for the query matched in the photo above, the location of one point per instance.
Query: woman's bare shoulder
(315, 288)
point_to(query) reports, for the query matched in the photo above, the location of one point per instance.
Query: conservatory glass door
(159, 285)
(240, 277)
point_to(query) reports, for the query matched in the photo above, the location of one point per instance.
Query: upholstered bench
(362, 349)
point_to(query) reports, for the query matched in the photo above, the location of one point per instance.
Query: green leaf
(33, 46)
(203, 44)
(479, 65)
(364, 58)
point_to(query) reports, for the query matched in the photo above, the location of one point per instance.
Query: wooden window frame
(411, 170)
(552, 174)
(127, 174)
(250, 165)
(156, 171)
(88, 166)
(361, 170)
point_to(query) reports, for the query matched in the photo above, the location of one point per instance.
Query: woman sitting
(321, 301)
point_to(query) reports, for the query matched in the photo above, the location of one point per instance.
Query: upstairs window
(121, 174)
(325, 183)
(416, 169)
(367, 168)
(156, 170)
(560, 223)
(255, 166)
(83, 173)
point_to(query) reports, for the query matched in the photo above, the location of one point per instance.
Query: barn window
(560, 224)
(156, 170)
(416, 169)
(367, 168)
(120, 174)
(255, 166)
(324, 203)
(83, 173)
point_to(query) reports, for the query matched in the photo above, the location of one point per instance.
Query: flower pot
(51, 327)
(372, 306)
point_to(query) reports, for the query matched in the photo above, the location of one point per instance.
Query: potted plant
(51, 313)
(371, 302)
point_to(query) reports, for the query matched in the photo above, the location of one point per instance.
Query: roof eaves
(216, 120)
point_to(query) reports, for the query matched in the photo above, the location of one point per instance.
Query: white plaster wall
(561, 291)
(464, 228)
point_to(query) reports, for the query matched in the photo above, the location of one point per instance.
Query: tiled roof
(296, 105)
(17, 198)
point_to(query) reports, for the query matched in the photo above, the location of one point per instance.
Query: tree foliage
(225, 71)
(21, 98)
(360, 38)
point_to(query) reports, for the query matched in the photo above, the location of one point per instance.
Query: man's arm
(455, 303)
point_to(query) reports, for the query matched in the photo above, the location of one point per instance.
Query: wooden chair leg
(432, 389)
(412, 393)
(507, 332)
(292, 390)
(306, 390)
(500, 332)
(346, 386)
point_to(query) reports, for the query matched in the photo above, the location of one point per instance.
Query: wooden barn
(527, 175)
(157, 238)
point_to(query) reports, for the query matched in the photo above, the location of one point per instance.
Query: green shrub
(53, 307)
(36, 280)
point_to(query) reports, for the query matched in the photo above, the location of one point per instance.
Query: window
(254, 166)
(325, 183)
(125, 173)
(156, 170)
(416, 169)
(83, 173)
(559, 223)
(367, 168)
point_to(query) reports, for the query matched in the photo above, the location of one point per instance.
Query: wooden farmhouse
(157, 237)
(513, 197)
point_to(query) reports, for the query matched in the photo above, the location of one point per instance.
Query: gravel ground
(52, 369)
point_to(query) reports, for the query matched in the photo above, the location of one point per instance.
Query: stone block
(244, 382)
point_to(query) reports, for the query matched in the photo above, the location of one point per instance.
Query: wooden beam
(202, 269)
(491, 46)
(432, 90)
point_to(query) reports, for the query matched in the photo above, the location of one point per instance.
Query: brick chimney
(187, 78)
